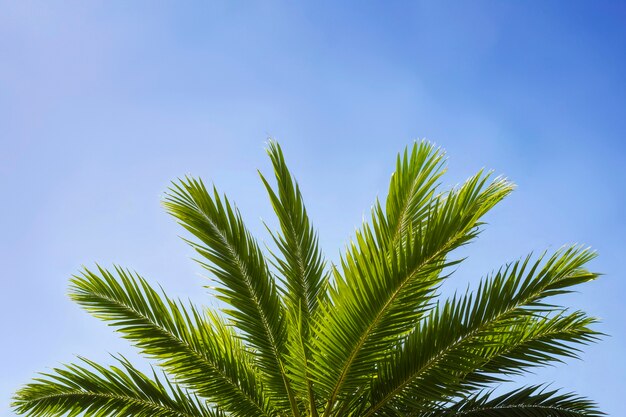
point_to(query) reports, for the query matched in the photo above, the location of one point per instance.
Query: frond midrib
(79, 393)
(301, 267)
(513, 406)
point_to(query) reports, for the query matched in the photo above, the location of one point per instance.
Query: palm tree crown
(370, 336)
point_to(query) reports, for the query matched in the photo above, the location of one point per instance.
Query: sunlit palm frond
(533, 401)
(236, 260)
(381, 294)
(94, 390)
(301, 264)
(411, 190)
(198, 351)
(503, 327)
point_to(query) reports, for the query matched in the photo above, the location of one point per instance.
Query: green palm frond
(531, 401)
(301, 265)
(531, 342)
(199, 351)
(238, 263)
(97, 391)
(411, 189)
(490, 359)
(368, 337)
(381, 294)
(501, 328)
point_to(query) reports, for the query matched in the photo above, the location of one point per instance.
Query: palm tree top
(299, 336)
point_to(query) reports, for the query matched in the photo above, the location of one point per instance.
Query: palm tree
(370, 336)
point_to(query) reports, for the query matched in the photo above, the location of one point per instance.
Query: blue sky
(103, 103)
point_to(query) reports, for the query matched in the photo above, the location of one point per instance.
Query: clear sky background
(103, 103)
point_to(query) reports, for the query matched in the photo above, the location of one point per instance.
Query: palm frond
(236, 260)
(90, 389)
(504, 327)
(298, 364)
(411, 189)
(529, 342)
(302, 266)
(533, 401)
(199, 351)
(302, 263)
(380, 294)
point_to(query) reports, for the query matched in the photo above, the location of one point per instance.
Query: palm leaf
(200, 352)
(498, 329)
(381, 294)
(524, 402)
(94, 390)
(239, 265)
(301, 265)
(412, 186)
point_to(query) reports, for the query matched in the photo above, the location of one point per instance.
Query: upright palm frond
(381, 294)
(411, 190)
(368, 337)
(238, 263)
(98, 391)
(301, 265)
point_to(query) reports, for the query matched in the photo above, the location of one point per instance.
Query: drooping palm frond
(198, 351)
(94, 390)
(370, 337)
(533, 401)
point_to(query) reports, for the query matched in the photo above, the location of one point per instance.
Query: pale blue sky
(103, 103)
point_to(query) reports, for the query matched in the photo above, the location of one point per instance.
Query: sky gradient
(102, 104)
